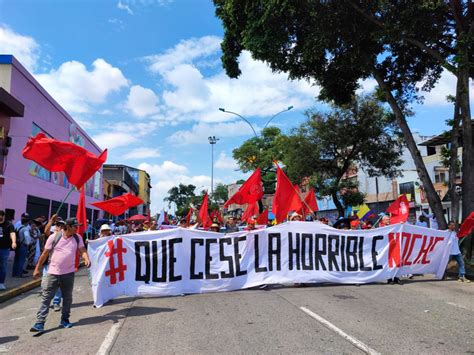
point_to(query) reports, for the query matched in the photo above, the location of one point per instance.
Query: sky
(144, 79)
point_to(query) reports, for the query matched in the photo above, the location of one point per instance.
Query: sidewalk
(17, 285)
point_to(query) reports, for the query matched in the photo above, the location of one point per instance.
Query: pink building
(26, 109)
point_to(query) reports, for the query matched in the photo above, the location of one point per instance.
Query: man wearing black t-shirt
(7, 240)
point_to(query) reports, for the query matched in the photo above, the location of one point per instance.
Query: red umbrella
(138, 217)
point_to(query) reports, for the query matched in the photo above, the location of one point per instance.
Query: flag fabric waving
(77, 163)
(118, 205)
(263, 218)
(310, 205)
(285, 197)
(399, 210)
(81, 212)
(363, 212)
(251, 191)
(216, 215)
(466, 226)
(188, 216)
(204, 211)
(250, 211)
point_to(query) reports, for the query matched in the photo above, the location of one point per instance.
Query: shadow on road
(115, 301)
(4, 340)
(115, 316)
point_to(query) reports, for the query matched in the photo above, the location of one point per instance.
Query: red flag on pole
(251, 191)
(216, 214)
(188, 216)
(285, 197)
(263, 218)
(250, 211)
(399, 210)
(310, 202)
(77, 163)
(466, 226)
(81, 212)
(204, 211)
(118, 205)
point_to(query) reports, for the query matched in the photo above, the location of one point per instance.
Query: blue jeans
(19, 262)
(460, 261)
(58, 294)
(3, 264)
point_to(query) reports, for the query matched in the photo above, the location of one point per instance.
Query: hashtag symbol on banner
(120, 268)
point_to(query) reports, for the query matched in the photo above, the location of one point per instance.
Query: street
(421, 316)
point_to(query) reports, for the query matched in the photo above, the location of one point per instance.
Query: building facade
(120, 179)
(24, 185)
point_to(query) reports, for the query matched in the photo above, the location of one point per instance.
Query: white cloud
(186, 51)
(142, 153)
(142, 102)
(444, 87)
(225, 163)
(77, 88)
(168, 174)
(125, 7)
(24, 48)
(199, 132)
(112, 140)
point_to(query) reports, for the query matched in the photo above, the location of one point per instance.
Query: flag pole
(65, 198)
(377, 222)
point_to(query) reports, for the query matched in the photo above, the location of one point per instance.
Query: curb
(19, 290)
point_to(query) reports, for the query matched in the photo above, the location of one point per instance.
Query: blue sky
(144, 79)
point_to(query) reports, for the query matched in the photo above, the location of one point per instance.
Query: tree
(261, 152)
(362, 135)
(324, 41)
(181, 195)
(221, 194)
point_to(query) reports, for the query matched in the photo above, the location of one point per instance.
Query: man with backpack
(24, 240)
(63, 247)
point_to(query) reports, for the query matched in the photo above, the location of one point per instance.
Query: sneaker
(464, 279)
(37, 327)
(2, 287)
(65, 324)
(56, 307)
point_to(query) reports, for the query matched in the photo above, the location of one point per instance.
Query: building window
(441, 177)
(407, 188)
(35, 169)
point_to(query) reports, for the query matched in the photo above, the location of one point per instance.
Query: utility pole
(212, 140)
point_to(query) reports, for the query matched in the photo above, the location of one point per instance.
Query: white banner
(181, 261)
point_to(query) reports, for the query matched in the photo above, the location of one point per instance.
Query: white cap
(104, 227)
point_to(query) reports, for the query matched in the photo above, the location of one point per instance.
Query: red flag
(250, 192)
(77, 163)
(216, 214)
(118, 205)
(286, 198)
(399, 210)
(263, 218)
(466, 226)
(204, 211)
(165, 221)
(310, 202)
(250, 211)
(188, 216)
(81, 212)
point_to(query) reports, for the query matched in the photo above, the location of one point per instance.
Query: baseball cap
(73, 222)
(104, 227)
(25, 216)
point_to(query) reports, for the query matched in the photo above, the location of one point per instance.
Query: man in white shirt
(456, 253)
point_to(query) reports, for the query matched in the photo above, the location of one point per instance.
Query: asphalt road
(421, 316)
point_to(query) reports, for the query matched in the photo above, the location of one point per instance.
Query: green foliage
(262, 152)
(328, 145)
(181, 195)
(221, 194)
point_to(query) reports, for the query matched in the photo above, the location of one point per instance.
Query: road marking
(11, 320)
(458, 305)
(357, 343)
(110, 339)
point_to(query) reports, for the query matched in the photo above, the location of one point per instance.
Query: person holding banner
(456, 252)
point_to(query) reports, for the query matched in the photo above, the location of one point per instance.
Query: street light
(212, 140)
(248, 122)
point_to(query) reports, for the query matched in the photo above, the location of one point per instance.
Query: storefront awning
(9, 105)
